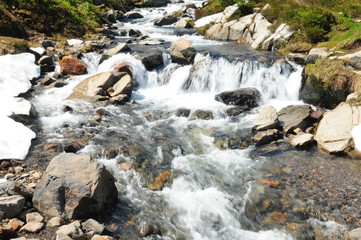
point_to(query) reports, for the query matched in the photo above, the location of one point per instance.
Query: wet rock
(235, 111)
(91, 225)
(11, 205)
(201, 114)
(152, 59)
(72, 147)
(104, 87)
(122, 47)
(127, 166)
(182, 51)
(355, 234)
(147, 229)
(154, 3)
(167, 20)
(55, 222)
(295, 116)
(72, 66)
(99, 237)
(72, 230)
(133, 15)
(46, 64)
(88, 191)
(150, 41)
(276, 217)
(47, 43)
(34, 217)
(182, 112)
(158, 182)
(266, 119)
(15, 224)
(134, 33)
(302, 140)
(265, 137)
(269, 182)
(249, 97)
(334, 131)
(111, 16)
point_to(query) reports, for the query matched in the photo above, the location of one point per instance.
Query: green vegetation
(9, 45)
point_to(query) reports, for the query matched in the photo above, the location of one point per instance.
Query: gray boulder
(73, 187)
(7, 188)
(266, 119)
(182, 51)
(334, 130)
(250, 97)
(11, 206)
(295, 116)
(152, 59)
(133, 15)
(166, 20)
(154, 3)
(355, 62)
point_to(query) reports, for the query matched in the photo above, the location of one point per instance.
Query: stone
(319, 52)
(213, 31)
(266, 119)
(11, 205)
(92, 225)
(235, 111)
(299, 58)
(158, 182)
(121, 47)
(166, 20)
(99, 237)
(265, 137)
(152, 59)
(55, 222)
(34, 217)
(32, 227)
(183, 112)
(150, 41)
(201, 114)
(7, 187)
(127, 166)
(269, 182)
(334, 130)
(71, 66)
(355, 234)
(72, 230)
(182, 51)
(282, 33)
(260, 32)
(302, 140)
(295, 116)
(123, 86)
(154, 3)
(62, 236)
(242, 97)
(47, 43)
(237, 29)
(74, 186)
(355, 62)
(15, 224)
(46, 64)
(184, 22)
(133, 15)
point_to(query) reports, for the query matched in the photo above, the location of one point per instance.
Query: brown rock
(276, 217)
(15, 224)
(72, 66)
(127, 166)
(51, 146)
(124, 67)
(158, 182)
(268, 182)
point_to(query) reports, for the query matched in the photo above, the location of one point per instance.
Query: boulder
(319, 52)
(243, 97)
(62, 236)
(133, 15)
(73, 187)
(122, 47)
(72, 66)
(46, 64)
(265, 137)
(154, 3)
(238, 28)
(184, 22)
(299, 58)
(355, 62)
(152, 59)
(201, 114)
(295, 116)
(166, 20)
(302, 140)
(11, 206)
(47, 43)
(182, 51)
(55, 222)
(235, 111)
(213, 31)
(72, 230)
(266, 119)
(355, 234)
(226, 14)
(260, 29)
(104, 87)
(334, 130)
(282, 33)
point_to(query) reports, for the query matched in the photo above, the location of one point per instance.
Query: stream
(206, 189)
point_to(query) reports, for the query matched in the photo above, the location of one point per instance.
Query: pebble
(33, 227)
(55, 222)
(34, 217)
(15, 224)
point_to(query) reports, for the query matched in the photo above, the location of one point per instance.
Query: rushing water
(204, 196)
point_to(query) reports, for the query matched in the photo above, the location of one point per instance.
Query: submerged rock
(249, 97)
(201, 114)
(74, 186)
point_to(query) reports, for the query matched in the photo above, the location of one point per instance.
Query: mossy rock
(10, 45)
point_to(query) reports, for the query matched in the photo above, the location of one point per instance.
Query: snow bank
(206, 20)
(16, 71)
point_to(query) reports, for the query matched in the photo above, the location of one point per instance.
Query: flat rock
(266, 119)
(302, 140)
(334, 130)
(122, 47)
(34, 217)
(71, 230)
(11, 205)
(295, 116)
(265, 137)
(32, 227)
(92, 225)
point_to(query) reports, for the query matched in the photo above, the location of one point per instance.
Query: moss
(202, 30)
(332, 75)
(298, 47)
(10, 45)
